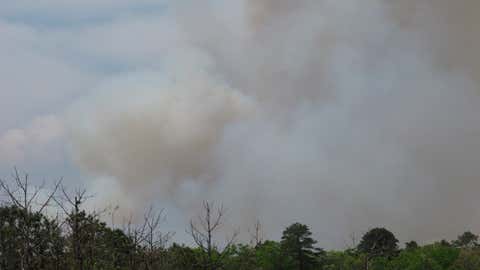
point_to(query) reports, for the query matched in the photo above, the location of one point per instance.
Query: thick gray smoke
(340, 114)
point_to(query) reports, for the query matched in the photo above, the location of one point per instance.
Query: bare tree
(136, 234)
(25, 196)
(148, 241)
(256, 234)
(28, 199)
(202, 230)
(353, 241)
(71, 206)
(155, 240)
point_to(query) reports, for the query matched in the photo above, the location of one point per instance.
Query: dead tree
(256, 234)
(26, 197)
(147, 240)
(136, 234)
(155, 240)
(71, 206)
(203, 229)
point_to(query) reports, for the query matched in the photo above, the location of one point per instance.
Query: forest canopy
(31, 238)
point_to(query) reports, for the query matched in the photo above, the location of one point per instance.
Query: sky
(54, 53)
(338, 114)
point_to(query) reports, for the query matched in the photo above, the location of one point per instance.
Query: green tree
(414, 259)
(32, 235)
(241, 257)
(466, 240)
(342, 260)
(30, 208)
(299, 245)
(412, 245)
(443, 255)
(467, 260)
(378, 242)
(271, 257)
(181, 257)
(96, 246)
(203, 230)
(444, 243)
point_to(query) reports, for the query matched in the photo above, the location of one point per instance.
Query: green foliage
(270, 256)
(298, 244)
(467, 260)
(378, 242)
(434, 257)
(99, 246)
(338, 260)
(412, 245)
(30, 236)
(84, 242)
(180, 257)
(466, 240)
(443, 255)
(412, 260)
(242, 257)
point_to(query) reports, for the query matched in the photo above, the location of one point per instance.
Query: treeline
(32, 238)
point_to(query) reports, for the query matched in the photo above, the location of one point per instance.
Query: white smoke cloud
(161, 127)
(18, 144)
(339, 114)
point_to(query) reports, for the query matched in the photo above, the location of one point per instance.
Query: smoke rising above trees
(346, 114)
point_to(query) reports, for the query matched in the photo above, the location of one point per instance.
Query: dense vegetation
(31, 239)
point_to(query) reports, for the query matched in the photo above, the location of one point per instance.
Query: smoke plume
(340, 114)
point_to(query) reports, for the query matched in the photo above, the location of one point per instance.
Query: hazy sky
(53, 53)
(337, 113)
